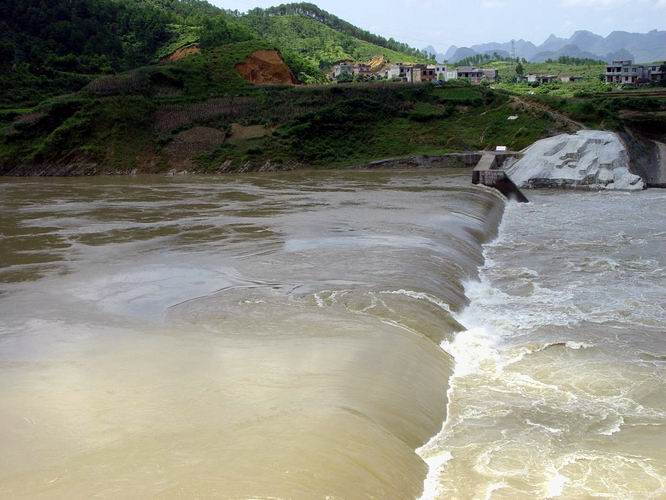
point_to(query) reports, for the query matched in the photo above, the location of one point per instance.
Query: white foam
(420, 296)
(492, 488)
(436, 464)
(578, 345)
(473, 350)
(551, 430)
(614, 428)
(555, 485)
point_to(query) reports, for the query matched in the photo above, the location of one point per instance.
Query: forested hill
(51, 47)
(313, 12)
(56, 46)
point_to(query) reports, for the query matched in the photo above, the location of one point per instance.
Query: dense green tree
(520, 70)
(575, 61)
(480, 59)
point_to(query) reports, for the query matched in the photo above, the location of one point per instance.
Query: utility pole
(513, 50)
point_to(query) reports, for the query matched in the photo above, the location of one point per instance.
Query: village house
(410, 73)
(398, 72)
(656, 75)
(445, 73)
(450, 74)
(626, 72)
(440, 71)
(541, 79)
(429, 74)
(361, 69)
(416, 73)
(342, 68)
(347, 69)
(491, 74)
(474, 75)
(570, 79)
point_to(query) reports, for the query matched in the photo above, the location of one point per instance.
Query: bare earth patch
(181, 53)
(241, 133)
(266, 67)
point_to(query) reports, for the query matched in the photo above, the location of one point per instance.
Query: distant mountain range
(641, 47)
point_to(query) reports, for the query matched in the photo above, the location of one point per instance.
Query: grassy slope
(321, 45)
(182, 35)
(590, 101)
(591, 84)
(364, 123)
(111, 120)
(588, 71)
(129, 121)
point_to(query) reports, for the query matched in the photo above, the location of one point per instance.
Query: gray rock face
(589, 159)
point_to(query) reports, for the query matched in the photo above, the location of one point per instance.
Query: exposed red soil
(181, 53)
(266, 67)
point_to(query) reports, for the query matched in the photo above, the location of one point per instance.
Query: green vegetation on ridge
(141, 120)
(54, 47)
(311, 11)
(318, 46)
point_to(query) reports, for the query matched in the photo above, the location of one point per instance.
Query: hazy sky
(465, 22)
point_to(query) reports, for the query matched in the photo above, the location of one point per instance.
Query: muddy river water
(329, 335)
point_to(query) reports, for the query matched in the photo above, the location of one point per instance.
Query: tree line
(576, 61)
(479, 59)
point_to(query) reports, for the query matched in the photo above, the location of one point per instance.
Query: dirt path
(556, 115)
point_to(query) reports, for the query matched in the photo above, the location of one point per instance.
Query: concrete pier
(488, 173)
(659, 178)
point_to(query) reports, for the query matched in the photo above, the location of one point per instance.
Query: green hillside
(76, 108)
(318, 45)
(588, 71)
(198, 114)
(48, 48)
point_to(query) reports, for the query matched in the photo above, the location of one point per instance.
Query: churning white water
(559, 379)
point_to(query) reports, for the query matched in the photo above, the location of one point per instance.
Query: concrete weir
(488, 173)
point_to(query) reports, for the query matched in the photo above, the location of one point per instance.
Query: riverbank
(421, 162)
(268, 129)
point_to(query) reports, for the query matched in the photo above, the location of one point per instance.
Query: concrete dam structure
(488, 172)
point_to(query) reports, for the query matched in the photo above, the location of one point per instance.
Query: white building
(343, 68)
(626, 72)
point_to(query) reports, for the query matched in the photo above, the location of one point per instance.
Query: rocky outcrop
(266, 67)
(589, 159)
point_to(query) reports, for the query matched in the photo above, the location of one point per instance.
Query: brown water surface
(255, 337)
